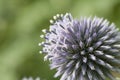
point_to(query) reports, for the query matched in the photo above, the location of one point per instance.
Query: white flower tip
(30, 78)
(58, 15)
(54, 17)
(39, 44)
(44, 30)
(118, 46)
(40, 52)
(84, 59)
(67, 13)
(109, 56)
(117, 29)
(51, 21)
(45, 58)
(93, 57)
(24, 78)
(42, 36)
(37, 78)
(61, 15)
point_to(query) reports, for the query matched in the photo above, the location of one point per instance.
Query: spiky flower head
(85, 49)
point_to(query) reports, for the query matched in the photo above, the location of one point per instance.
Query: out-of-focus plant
(21, 22)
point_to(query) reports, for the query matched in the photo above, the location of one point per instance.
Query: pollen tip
(51, 21)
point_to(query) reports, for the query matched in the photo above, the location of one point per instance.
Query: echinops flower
(85, 49)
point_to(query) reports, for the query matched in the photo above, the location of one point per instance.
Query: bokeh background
(21, 22)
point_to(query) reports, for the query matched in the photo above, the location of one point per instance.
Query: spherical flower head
(85, 49)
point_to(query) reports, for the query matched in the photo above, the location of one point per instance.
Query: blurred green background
(21, 22)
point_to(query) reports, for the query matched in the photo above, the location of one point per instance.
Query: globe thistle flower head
(85, 49)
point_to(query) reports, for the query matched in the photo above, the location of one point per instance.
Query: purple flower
(85, 49)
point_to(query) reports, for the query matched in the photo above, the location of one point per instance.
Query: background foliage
(21, 22)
